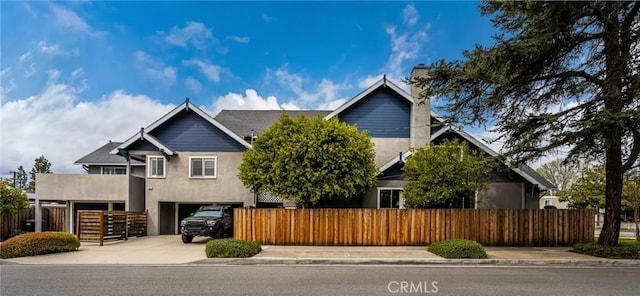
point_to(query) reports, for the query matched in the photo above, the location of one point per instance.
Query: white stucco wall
(177, 187)
(388, 148)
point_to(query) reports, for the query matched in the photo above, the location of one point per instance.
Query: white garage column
(38, 219)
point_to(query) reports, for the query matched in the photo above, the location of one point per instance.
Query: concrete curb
(399, 261)
(411, 261)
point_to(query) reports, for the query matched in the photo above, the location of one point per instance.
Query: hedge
(38, 243)
(230, 248)
(458, 249)
(624, 250)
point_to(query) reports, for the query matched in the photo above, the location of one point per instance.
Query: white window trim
(115, 168)
(401, 203)
(164, 167)
(215, 167)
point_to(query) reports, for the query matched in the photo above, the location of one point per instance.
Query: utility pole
(14, 178)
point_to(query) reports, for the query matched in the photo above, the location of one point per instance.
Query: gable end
(382, 113)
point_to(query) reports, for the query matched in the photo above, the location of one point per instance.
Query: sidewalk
(168, 249)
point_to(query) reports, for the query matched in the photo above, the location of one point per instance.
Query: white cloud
(410, 15)
(249, 101)
(267, 18)
(155, 69)
(324, 94)
(195, 33)
(32, 70)
(406, 47)
(193, 84)
(54, 49)
(5, 87)
(369, 80)
(329, 91)
(54, 75)
(28, 8)
(68, 19)
(5, 72)
(290, 106)
(57, 124)
(211, 71)
(26, 57)
(240, 39)
(77, 73)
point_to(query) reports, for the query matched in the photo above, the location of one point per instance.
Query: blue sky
(75, 75)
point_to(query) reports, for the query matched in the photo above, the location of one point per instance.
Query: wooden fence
(53, 219)
(110, 225)
(396, 227)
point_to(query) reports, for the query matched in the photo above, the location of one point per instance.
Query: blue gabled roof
(186, 128)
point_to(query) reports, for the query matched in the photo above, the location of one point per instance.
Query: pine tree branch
(569, 74)
(630, 17)
(635, 151)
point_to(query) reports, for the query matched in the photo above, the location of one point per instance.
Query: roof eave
(186, 105)
(489, 151)
(383, 82)
(393, 161)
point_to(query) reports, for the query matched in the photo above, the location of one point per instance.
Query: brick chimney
(420, 112)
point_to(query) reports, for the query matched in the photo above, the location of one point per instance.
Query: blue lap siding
(188, 131)
(383, 114)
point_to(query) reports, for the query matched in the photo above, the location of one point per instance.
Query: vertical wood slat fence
(53, 220)
(110, 225)
(396, 227)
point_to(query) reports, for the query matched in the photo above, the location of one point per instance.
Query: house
(552, 202)
(187, 158)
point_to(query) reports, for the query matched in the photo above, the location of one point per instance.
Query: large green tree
(558, 74)
(21, 178)
(41, 166)
(445, 175)
(588, 190)
(309, 159)
(12, 200)
(631, 197)
(560, 174)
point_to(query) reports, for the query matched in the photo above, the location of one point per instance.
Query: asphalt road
(315, 280)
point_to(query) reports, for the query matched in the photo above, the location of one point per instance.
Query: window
(114, 171)
(390, 198)
(202, 167)
(155, 166)
(547, 202)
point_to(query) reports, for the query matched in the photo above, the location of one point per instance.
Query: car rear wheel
(187, 238)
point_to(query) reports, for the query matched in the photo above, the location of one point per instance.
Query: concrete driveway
(163, 249)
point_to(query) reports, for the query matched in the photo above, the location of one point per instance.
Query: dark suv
(213, 221)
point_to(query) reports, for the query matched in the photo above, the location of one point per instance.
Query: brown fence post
(78, 225)
(126, 225)
(101, 238)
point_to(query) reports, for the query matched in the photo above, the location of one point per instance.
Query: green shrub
(458, 249)
(230, 248)
(37, 243)
(624, 250)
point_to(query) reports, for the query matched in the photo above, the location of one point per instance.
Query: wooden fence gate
(396, 227)
(110, 225)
